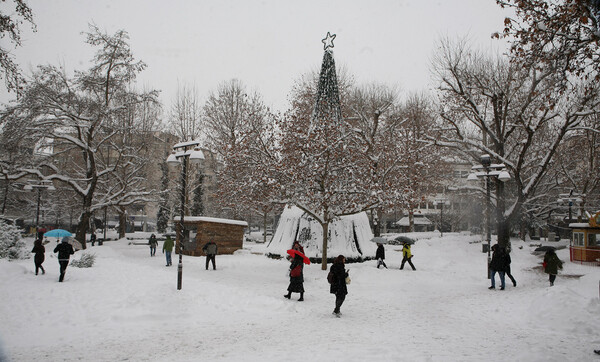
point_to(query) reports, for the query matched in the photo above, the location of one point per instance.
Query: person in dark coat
(508, 274)
(40, 255)
(210, 249)
(153, 244)
(407, 256)
(64, 250)
(380, 255)
(498, 265)
(296, 274)
(93, 238)
(551, 265)
(338, 282)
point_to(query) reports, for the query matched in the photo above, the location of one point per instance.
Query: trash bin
(484, 248)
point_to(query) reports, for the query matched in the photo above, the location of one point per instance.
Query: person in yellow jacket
(407, 256)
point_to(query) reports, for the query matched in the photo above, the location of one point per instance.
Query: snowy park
(126, 307)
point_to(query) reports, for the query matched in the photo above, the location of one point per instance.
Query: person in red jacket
(296, 274)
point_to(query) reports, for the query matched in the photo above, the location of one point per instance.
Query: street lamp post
(571, 198)
(182, 153)
(39, 186)
(441, 201)
(488, 170)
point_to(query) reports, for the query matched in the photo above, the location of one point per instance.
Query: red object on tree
(293, 253)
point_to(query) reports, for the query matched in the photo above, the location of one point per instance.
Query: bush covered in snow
(86, 261)
(12, 245)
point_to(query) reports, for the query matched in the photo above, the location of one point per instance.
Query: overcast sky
(266, 44)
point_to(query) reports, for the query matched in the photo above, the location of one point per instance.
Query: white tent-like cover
(349, 235)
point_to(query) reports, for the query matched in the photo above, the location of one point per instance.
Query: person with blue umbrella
(64, 250)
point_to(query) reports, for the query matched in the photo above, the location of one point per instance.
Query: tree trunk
(264, 227)
(376, 223)
(5, 196)
(82, 228)
(122, 223)
(503, 222)
(325, 227)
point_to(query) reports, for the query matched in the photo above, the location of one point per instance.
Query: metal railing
(585, 256)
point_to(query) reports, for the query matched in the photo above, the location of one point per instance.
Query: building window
(578, 239)
(592, 240)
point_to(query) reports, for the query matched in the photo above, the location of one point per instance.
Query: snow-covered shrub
(86, 261)
(12, 245)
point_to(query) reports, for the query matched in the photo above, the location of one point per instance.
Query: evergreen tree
(322, 164)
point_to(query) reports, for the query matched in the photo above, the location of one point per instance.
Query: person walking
(40, 255)
(407, 256)
(93, 238)
(167, 249)
(337, 279)
(380, 256)
(551, 265)
(296, 273)
(64, 250)
(498, 265)
(153, 244)
(210, 249)
(507, 267)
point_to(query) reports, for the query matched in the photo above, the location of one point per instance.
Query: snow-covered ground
(127, 307)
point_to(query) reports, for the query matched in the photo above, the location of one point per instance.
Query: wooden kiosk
(199, 230)
(585, 242)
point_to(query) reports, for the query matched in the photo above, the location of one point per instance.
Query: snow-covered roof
(581, 225)
(212, 219)
(186, 144)
(417, 220)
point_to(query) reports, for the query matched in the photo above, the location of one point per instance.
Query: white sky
(266, 44)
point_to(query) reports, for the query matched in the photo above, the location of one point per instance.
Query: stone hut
(199, 230)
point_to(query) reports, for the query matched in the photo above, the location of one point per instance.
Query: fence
(585, 256)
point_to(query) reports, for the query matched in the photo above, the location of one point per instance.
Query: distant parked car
(268, 231)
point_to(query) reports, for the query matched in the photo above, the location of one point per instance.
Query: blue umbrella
(58, 233)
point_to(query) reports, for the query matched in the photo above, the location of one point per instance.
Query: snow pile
(127, 307)
(349, 236)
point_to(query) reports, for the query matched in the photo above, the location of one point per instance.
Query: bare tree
(185, 116)
(79, 115)
(513, 113)
(562, 33)
(10, 27)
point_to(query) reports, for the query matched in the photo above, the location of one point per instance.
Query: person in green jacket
(167, 249)
(551, 265)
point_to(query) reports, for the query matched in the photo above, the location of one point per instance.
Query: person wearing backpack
(210, 249)
(337, 280)
(551, 265)
(296, 274)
